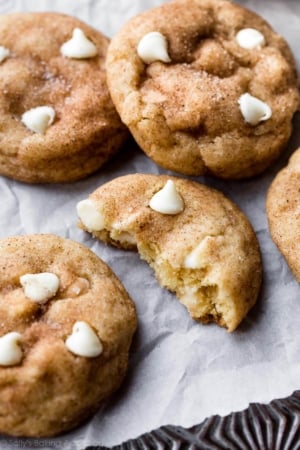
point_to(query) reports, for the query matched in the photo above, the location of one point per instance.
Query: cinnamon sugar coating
(185, 114)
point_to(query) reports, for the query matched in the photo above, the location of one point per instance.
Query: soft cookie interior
(206, 252)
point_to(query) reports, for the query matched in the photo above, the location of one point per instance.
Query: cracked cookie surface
(184, 112)
(86, 129)
(51, 389)
(283, 209)
(205, 251)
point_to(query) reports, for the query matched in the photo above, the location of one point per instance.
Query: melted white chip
(4, 53)
(197, 257)
(79, 47)
(10, 351)
(250, 38)
(38, 119)
(84, 341)
(200, 256)
(167, 200)
(153, 47)
(90, 217)
(253, 109)
(40, 287)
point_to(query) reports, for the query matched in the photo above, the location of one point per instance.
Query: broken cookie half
(200, 245)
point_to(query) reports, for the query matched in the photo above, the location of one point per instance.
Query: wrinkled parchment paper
(180, 371)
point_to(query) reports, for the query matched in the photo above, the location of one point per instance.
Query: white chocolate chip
(167, 200)
(40, 287)
(4, 53)
(79, 47)
(250, 38)
(38, 119)
(10, 352)
(253, 109)
(153, 47)
(91, 218)
(84, 341)
(197, 257)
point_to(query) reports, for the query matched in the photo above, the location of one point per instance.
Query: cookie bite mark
(206, 252)
(202, 280)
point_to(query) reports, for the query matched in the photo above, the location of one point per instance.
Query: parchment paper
(180, 371)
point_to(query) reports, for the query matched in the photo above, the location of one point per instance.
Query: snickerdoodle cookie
(283, 210)
(200, 245)
(58, 122)
(66, 325)
(204, 86)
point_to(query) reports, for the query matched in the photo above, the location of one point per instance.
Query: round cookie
(64, 344)
(58, 122)
(283, 208)
(205, 86)
(200, 245)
